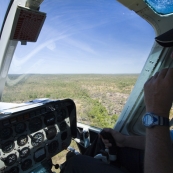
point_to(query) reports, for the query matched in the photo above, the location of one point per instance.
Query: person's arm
(137, 142)
(158, 92)
(121, 140)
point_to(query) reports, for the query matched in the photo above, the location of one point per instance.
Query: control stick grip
(109, 137)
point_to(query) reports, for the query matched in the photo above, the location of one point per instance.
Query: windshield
(3, 9)
(90, 51)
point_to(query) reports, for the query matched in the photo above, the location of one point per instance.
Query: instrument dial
(24, 152)
(5, 133)
(26, 164)
(10, 159)
(20, 128)
(37, 139)
(35, 124)
(22, 140)
(51, 132)
(53, 146)
(8, 146)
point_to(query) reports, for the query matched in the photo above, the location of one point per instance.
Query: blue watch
(150, 120)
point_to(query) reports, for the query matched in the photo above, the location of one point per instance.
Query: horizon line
(72, 73)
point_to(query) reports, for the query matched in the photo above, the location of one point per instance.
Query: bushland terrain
(99, 98)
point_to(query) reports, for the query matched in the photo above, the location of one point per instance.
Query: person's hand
(158, 93)
(118, 137)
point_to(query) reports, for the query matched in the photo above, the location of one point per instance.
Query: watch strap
(163, 121)
(157, 120)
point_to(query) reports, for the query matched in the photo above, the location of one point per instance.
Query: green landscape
(99, 98)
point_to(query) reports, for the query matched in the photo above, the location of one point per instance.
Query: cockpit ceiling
(161, 7)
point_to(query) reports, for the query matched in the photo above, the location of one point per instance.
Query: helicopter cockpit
(46, 46)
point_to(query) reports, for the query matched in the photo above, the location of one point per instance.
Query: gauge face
(20, 128)
(51, 133)
(5, 133)
(14, 169)
(24, 152)
(49, 119)
(10, 159)
(53, 146)
(26, 164)
(22, 140)
(8, 146)
(35, 124)
(37, 139)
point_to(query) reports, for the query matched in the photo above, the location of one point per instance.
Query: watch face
(148, 120)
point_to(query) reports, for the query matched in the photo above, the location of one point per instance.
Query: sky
(3, 7)
(86, 36)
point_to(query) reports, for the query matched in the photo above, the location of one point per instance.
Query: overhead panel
(160, 23)
(135, 5)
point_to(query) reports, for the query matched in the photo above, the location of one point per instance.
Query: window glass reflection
(162, 7)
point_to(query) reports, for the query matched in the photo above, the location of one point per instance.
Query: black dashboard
(33, 133)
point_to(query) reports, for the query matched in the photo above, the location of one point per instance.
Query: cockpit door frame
(7, 46)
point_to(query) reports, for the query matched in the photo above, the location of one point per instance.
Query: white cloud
(51, 46)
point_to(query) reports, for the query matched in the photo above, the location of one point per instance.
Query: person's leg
(87, 164)
(131, 159)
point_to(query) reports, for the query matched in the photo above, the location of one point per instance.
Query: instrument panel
(35, 134)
